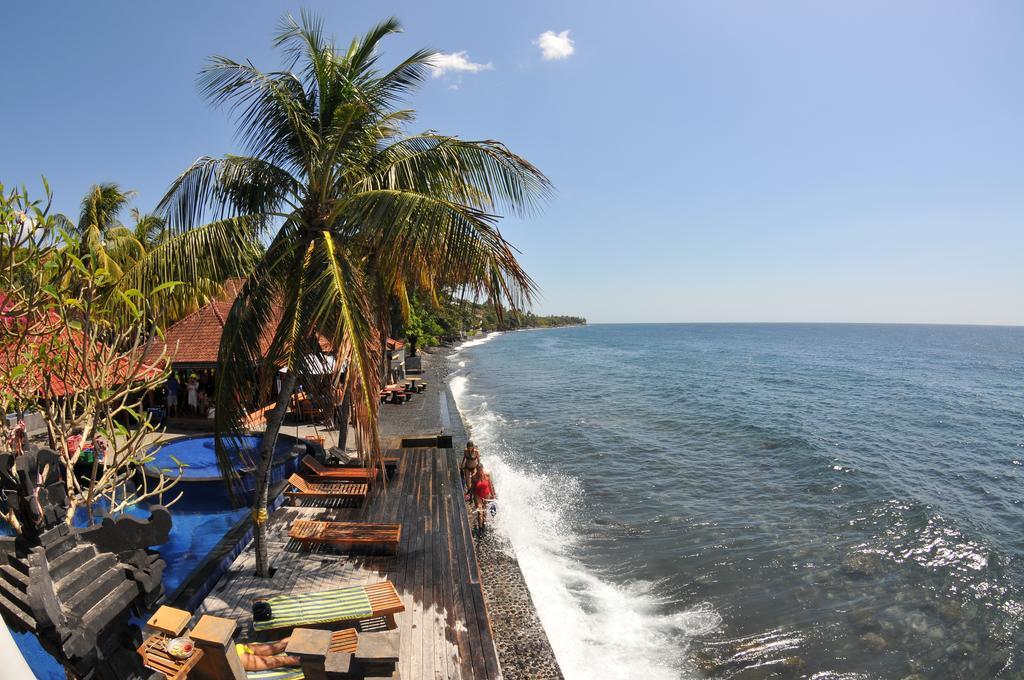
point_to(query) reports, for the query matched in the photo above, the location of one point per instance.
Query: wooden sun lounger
(347, 535)
(257, 418)
(332, 609)
(340, 473)
(301, 488)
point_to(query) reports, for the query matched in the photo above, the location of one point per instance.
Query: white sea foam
(598, 628)
(477, 341)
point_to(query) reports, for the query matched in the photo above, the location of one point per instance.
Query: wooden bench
(340, 473)
(155, 657)
(347, 536)
(324, 491)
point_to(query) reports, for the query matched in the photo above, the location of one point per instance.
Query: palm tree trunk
(262, 491)
(343, 415)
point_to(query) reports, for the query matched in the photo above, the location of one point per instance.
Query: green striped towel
(327, 606)
(276, 674)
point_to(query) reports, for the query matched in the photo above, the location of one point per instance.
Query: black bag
(261, 611)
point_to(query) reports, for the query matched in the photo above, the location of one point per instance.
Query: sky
(712, 161)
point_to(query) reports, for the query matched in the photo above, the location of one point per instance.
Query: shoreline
(524, 651)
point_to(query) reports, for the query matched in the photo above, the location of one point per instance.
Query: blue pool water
(199, 454)
(200, 521)
(836, 502)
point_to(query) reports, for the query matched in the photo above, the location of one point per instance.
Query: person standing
(470, 459)
(172, 388)
(483, 497)
(193, 394)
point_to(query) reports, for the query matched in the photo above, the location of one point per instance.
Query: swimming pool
(199, 454)
(202, 485)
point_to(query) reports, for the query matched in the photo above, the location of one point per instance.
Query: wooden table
(154, 656)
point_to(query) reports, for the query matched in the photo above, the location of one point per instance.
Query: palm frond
(219, 188)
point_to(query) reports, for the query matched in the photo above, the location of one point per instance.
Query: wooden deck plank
(467, 638)
(444, 628)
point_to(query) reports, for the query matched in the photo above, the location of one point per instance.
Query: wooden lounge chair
(257, 418)
(332, 608)
(347, 536)
(303, 489)
(339, 473)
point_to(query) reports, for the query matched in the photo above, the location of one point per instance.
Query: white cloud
(555, 45)
(457, 62)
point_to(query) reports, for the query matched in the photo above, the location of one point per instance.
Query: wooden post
(310, 645)
(168, 621)
(215, 636)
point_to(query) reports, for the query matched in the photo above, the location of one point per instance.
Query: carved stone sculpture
(76, 588)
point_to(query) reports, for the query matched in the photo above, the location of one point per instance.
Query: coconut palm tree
(353, 211)
(148, 233)
(99, 229)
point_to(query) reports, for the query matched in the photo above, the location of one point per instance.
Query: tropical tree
(98, 230)
(62, 356)
(354, 212)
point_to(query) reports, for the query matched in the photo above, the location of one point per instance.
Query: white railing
(15, 666)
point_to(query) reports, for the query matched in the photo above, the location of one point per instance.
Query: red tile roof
(196, 338)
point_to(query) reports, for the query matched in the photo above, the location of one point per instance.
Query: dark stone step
(97, 589)
(15, 614)
(107, 609)
(58, 540)
(115, 601)
(18, 563)
(16, 597)
(14, 577)
(71, 560)
(68, 586)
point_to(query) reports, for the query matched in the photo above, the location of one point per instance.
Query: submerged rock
(705, 661)
(874, 642)
(861, 566)
(918, 623)
(950, 611)
(863, 619)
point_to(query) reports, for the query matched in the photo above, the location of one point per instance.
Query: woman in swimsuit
(483, 492)
(470, 459)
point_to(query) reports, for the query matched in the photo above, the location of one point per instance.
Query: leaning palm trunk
(261, 496)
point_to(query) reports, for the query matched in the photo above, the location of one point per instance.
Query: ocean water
(760, 501)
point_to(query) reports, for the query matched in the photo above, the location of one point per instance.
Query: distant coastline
(530, 320)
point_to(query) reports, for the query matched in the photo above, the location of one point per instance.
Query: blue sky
(714, 161)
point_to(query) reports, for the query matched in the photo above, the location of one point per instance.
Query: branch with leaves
(82, 368)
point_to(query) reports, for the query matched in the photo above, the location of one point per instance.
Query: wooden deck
(445, 632)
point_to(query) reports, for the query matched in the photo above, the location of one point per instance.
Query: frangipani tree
(354, 212)
(62, 355)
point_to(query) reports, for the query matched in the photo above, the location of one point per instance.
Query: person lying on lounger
(265, 657)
